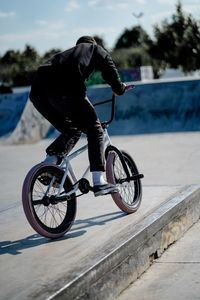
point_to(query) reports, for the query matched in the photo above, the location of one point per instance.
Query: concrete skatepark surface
(36, 267)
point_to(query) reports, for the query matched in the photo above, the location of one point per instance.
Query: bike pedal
(137, 176)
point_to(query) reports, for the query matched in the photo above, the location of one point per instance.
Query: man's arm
(105, 64)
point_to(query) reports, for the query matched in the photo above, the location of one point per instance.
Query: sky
(47, 24)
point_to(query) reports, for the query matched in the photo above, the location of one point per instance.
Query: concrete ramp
(152, 107)
(20, 122)
(11, 108)
(31, 128)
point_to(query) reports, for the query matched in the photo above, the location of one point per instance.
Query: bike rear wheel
(47, 216)
(129, 197)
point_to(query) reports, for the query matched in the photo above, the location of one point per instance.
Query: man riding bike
(59, 94)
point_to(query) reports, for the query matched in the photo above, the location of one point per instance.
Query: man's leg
(84, 117)
(87, 120)
(69, 134)
(63, 144)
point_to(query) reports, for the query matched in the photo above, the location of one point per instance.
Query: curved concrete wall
(157, 106)
(11, 108)
(31, 127)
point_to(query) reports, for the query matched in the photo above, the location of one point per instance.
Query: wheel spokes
(51, 215)
(126, 189)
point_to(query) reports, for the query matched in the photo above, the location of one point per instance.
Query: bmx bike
(49, 191)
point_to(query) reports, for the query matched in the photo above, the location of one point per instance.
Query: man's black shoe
(100, 190)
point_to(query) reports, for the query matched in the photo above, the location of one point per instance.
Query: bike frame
(66, 164)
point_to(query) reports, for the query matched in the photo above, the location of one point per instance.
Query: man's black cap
(86, 39)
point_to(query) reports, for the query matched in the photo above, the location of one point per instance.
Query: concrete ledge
(132, 252)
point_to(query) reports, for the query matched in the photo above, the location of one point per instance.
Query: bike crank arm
(83, 185)
(46, 201)
(66, 196)
(63, 198)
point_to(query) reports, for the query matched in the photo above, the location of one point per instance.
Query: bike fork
(115, 149)
(129, 176)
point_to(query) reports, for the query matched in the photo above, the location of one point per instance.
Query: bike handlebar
(129, 87)
(104, 124)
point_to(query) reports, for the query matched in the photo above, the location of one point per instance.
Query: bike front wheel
(46, 215)
(129, 197)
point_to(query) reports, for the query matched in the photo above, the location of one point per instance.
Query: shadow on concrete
(35, 240)
(97, 221)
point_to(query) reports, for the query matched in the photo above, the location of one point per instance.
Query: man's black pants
(72, 117)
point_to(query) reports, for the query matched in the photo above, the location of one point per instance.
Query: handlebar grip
(130, 87)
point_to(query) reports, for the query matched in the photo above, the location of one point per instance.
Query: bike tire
(53, 220)
(129, 197)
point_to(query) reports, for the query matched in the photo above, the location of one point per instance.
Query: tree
(28, 63)
(9, 66)
(130, 49)
(10, 57)
(177, 43)
(135, 37)
(130, 58)
(18, 68)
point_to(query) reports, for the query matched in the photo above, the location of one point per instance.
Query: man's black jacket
(64, 74)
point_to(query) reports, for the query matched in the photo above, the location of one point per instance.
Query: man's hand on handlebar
(127, 87)
(124, 88)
